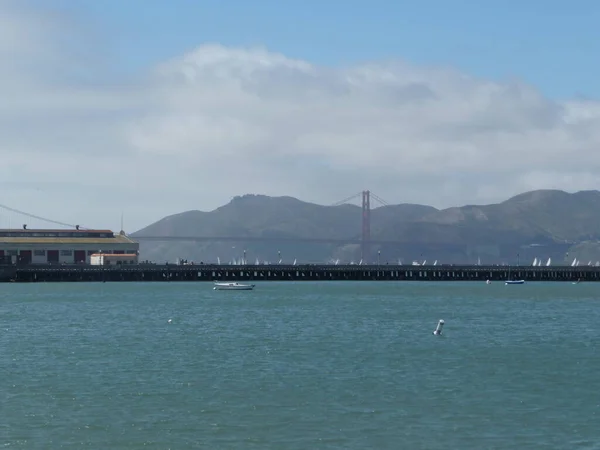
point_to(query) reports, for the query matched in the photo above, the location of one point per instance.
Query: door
(25, 257)
(52, 256)
(79, 256)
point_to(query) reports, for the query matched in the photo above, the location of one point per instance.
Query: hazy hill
(544, 223)
(260, 215)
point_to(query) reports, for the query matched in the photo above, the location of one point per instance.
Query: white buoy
(488, 282)
(169, 321)
(438, 329)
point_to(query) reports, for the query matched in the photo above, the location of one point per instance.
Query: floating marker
(488, 282)
(438, 329)
(169, 321)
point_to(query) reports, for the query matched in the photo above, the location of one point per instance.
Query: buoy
(169, 321)
(488, 282)
(438, 329)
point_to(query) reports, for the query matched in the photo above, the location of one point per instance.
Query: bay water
(300, 365)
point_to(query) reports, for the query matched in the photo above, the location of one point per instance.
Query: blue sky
(551, 44)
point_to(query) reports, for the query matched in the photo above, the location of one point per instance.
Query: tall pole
(366, 226)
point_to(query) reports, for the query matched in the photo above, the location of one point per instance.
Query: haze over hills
(542, 224)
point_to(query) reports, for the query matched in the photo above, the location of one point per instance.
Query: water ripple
(300, 365)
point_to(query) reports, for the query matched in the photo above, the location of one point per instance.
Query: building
(111, 259)
(24, 246)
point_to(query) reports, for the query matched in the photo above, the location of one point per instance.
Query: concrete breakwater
(241, 273)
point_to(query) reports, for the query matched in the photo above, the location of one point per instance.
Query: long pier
(242, 273)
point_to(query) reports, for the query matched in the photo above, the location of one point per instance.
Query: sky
(147, 108)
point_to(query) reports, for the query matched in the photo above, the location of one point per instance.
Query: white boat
(233, 287)
(509, 281)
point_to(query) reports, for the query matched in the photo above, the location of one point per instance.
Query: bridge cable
(346, 200)
(379, 199)
(33, 216)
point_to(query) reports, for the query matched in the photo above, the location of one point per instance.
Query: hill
(542, 224)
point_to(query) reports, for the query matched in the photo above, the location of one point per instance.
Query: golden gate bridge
(364, 240)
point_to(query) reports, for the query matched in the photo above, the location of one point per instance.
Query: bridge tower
(365, 248)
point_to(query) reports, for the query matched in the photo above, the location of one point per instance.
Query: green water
(300, 366)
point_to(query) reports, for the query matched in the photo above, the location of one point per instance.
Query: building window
(39, 253)
(66, 253)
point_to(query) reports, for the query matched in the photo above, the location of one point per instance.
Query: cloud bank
(81, 145)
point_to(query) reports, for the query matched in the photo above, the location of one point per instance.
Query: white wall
(112, 260)
(96, 260)
(38, 259)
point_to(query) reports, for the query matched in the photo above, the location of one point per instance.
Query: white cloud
(219, 122)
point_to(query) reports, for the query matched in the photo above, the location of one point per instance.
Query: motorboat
(509, 281)
(233, 287)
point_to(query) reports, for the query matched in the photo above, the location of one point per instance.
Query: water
(300, 366)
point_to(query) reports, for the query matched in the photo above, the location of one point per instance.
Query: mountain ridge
(552, 218)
